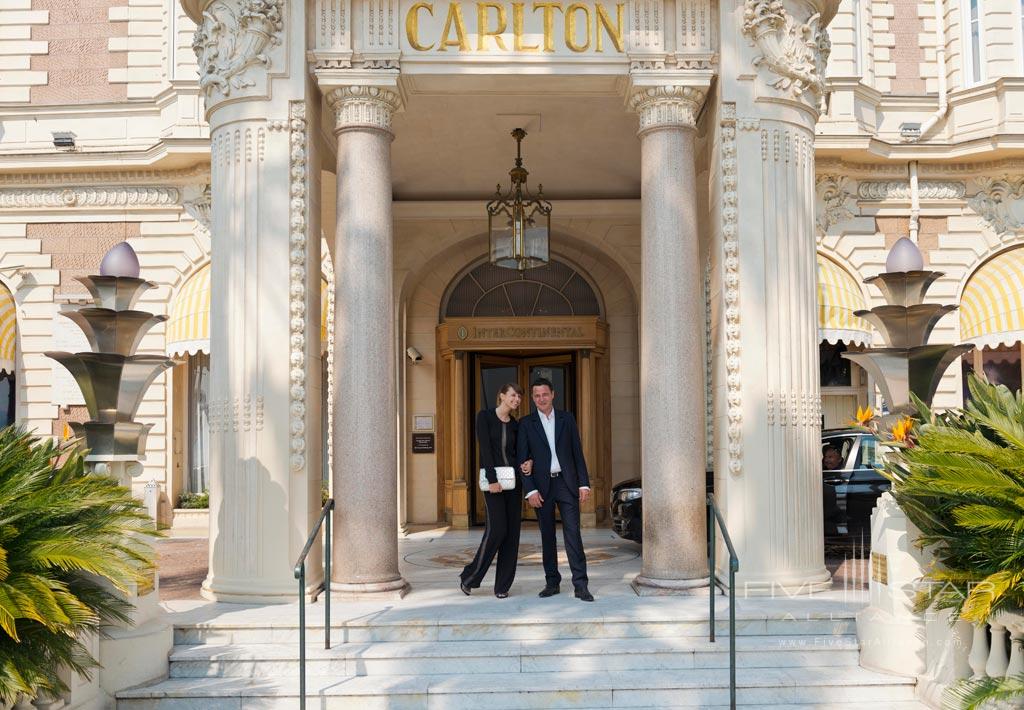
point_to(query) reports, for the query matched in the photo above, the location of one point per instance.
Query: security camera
(414, 354)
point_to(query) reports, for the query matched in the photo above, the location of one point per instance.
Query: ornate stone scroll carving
(833, 203)
(298, 328)
(231, 39)
(797, 52)
(900, 190)
(197, 201)
(660, 106)
(99, 196)
(731, 276)
(369, 106)
(1001, 203)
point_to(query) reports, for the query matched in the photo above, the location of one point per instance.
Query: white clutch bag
(506, 477)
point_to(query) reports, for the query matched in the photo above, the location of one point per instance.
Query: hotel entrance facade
(307, 183)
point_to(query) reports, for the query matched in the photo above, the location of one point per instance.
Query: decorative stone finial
(121, 260)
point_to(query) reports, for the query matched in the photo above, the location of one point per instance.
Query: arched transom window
(555, 289)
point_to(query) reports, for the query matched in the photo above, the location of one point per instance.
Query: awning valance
(8, 327)
(992, 306)
(188, 324)
(838, 297)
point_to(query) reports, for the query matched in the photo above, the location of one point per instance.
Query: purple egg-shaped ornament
(121, 260)
(904, 256)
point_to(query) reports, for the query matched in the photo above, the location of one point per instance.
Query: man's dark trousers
(569, 507)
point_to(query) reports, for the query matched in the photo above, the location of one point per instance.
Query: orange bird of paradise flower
(901, 429)
(864, 416)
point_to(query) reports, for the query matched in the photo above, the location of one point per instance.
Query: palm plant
(961, 482)
(69, 542)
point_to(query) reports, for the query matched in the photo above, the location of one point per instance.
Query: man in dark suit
(559, 476)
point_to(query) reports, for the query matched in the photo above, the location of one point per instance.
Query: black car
(849, 490)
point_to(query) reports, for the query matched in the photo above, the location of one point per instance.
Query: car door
(865, 485)
(837, 481)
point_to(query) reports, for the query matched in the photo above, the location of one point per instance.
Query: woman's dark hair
(505, 388)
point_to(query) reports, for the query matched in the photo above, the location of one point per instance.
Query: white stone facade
(771, 182)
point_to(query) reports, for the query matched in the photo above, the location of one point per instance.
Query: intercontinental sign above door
(392, 34)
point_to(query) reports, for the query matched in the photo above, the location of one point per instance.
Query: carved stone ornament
(197, 201)
(797, 52)
(364, 106)
(99, 196)
(731, 276)
(667, 106)
(1000, 203)
(900, 190)
(298, 330)
(231, 39)
(833, 203)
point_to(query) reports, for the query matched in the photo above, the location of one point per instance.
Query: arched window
(8, 331)
(555, 289)
(992, 317)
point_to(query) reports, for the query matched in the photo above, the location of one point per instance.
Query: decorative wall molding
(228, 44)
(796, 52)
(119, 179)
(926, 171)
(666, 106)
(99, 196)
(197, 201)
(900, 190)
(299, 326)
(364, 107)
(709, 370)
(327, 267)
(833, 202)
(793, 409)
(1000, 203)
(731, 276)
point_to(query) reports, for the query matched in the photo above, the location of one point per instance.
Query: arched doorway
(500, 325)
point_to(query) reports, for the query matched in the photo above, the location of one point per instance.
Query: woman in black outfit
(496, 433)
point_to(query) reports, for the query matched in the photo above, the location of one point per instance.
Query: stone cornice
(666, 106)
(120, 178)
(363, 106)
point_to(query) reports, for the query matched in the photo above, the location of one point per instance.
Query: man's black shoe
(584, 594)
(548, 592)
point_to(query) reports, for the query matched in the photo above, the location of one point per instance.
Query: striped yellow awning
(839, 296)
(8, 328)
(188, 324)
(992, 306)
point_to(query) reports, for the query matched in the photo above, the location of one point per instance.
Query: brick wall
(79, 60)
(77, 248)
(907, 54)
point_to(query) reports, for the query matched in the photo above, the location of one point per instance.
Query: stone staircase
(593, 657)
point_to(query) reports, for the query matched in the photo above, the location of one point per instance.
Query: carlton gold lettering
(549, 22)
(585, 27)
(482, 32)
(517, 30)
(570, 27)
(412, 27)
(614, 33)
(454, 16)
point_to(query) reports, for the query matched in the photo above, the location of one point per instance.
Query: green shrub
(194, 501)
(63, 531)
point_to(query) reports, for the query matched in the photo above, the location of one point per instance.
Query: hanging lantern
(519, 224)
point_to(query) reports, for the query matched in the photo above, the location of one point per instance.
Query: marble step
(604, 689)
(434, 658)
(370, 630)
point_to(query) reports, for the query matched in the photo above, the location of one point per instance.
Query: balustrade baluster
(997, 658)
(1016, 666)
(979, 651)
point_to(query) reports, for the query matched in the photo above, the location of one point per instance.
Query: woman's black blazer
(488, 435)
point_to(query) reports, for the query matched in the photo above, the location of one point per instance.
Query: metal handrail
(734, 566)
(300, 574)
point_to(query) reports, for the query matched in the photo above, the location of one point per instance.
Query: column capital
(360, 106)
(666, 105)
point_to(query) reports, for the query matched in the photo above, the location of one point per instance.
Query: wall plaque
(879, 568)
(423, 443)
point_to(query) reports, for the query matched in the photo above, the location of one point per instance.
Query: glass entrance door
(491, 372)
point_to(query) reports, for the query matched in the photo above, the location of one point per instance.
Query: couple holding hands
(539, 456)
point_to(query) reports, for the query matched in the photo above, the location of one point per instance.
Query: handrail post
(327, 577)
(732, 633)
(302, 636)
(711, 564)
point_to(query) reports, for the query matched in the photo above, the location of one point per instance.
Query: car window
(870, 454)
(843, 444)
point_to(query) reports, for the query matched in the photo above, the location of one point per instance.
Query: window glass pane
(1002, 365)
(869, 455)
(841, 445)
(975, 41)
(834, 369)
(6, 400)
(198, 423)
